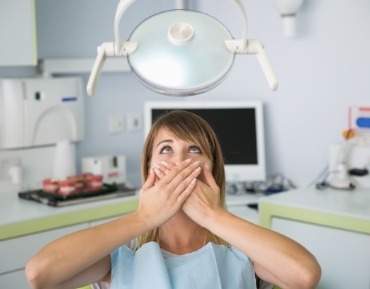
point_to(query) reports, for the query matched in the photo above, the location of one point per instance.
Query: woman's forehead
(165, 133)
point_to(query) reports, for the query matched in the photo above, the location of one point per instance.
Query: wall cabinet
(18, 33)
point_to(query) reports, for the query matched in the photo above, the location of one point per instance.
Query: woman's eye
(194, 149)
(166, 150)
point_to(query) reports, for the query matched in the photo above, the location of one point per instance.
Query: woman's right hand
(161, 198)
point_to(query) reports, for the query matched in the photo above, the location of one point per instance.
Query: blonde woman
(180, 236)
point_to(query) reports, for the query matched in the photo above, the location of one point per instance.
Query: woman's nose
(179, 157)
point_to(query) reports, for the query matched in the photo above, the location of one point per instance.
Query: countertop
(20, 217)
(343, 209)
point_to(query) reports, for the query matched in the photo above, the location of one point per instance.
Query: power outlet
(134, 122)
(5, 165)
(115, 123)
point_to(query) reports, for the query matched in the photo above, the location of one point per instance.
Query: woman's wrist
(143, 220)
(212, 217)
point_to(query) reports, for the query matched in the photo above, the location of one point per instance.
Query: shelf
(81, 65)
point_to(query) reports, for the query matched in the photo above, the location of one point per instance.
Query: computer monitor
(239, 127)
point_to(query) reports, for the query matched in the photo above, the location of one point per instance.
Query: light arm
(110, 49)
(243, 15)
(121, 8)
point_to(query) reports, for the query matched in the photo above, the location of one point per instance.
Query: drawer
(16, 280)
(15, 253)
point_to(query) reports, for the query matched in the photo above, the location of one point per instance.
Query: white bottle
(64, 160)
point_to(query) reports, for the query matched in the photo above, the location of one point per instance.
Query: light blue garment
(211, 267)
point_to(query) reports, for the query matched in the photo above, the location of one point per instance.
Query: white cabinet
(332, 224)
(15, 253)
(15, 279)
(344, 256)
(242, 206)
(18, 33)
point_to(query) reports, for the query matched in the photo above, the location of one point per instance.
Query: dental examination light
(180, 52)
(288, 10)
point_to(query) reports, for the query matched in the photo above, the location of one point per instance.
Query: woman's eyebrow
(163, 141)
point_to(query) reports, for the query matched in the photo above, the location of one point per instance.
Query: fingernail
(188, 160)
(196, 163)
(207, 166)
(164, 163)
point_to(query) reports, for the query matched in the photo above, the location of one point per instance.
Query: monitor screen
(238, 126)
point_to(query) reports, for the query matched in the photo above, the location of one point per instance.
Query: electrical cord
(322, 176)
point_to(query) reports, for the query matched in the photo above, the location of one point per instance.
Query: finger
(184, 173)
(150, 181)
(183, 185)
(180, 168)
(156, 180)
(167, 166)
(159, 171)
(209, 177)
(186, 193)
(163, 169)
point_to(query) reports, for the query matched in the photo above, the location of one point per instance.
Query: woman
(184, 236)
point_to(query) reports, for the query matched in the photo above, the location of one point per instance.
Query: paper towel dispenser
(40, 111)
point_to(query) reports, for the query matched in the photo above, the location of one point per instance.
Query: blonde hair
(192, 128)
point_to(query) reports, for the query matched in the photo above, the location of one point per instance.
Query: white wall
(321, 72)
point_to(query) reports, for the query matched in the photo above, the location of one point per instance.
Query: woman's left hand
(205, 198)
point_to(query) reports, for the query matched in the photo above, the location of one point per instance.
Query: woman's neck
(181, 235)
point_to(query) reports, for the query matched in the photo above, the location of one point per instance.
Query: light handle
(96, 70)
(254, 46)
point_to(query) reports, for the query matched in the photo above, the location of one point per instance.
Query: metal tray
(108, 191)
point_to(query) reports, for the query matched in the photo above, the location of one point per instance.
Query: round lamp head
(180, 52)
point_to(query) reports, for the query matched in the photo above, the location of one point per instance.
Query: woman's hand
(204, 199)
(161, 197)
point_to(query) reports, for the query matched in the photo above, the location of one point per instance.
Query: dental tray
(108, 191)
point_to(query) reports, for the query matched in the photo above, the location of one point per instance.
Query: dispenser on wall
(40, 111)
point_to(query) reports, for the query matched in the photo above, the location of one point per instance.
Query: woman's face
(171, 149)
